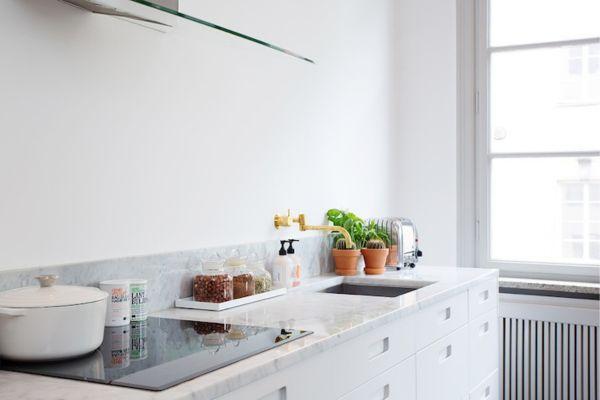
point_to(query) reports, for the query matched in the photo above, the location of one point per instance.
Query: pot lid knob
(46, 280)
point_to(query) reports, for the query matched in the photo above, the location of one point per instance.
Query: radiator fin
(548, 360)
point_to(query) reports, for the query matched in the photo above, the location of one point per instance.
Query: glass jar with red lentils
(213, 285)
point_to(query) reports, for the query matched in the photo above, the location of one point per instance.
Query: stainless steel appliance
(404, 246)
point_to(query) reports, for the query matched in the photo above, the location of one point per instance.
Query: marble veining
(333, 318)
(169, 275)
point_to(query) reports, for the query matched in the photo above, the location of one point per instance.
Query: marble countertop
(333, 318)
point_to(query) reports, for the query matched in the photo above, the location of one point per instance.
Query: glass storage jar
(243, 278)
(213, 285)
(263, 282)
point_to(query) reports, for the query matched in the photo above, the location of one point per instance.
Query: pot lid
(49, 295)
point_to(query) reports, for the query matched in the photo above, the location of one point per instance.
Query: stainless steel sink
(368, 290)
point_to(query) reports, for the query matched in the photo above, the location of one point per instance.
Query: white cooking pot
(51, 322)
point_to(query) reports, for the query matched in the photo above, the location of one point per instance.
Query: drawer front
(487, 390)
(343, 368)
(442, 370)
(483, 298)
(483, 347)
(397, 383)
(279, 394)
(438, 320)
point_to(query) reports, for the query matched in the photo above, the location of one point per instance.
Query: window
(580, 220)
(580, 84)
(538, 133)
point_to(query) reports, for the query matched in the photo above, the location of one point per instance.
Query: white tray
(189, 302)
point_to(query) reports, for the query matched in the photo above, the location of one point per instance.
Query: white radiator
(549, 358)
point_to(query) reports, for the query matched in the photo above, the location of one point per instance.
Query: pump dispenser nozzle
(291, 249)
(282, 251)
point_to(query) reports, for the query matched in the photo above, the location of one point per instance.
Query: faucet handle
(283, 220)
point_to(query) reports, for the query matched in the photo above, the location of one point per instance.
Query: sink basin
(368, 290)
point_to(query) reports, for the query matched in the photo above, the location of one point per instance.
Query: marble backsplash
(169, 275)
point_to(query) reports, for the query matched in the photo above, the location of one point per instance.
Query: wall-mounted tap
(288, 220)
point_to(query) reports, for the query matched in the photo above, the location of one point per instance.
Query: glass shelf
(156, 14)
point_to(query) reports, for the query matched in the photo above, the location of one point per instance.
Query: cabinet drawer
(438, 320)
(483, 297)
(339, 370)
(487, 390)
(483, 347)
(442, 368)
(397, 383)
(345, 367)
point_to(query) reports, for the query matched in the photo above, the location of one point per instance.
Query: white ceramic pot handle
(11, 312)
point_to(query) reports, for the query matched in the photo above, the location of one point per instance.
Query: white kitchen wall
(119, 140)
(425, 178)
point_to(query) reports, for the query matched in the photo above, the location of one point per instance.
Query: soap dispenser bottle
(297, 269)
(283, 267)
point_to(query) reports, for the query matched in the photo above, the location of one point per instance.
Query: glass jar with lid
(213, 284)
(243, 278)
(263, 281)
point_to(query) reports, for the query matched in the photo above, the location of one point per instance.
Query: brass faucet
(288, 220)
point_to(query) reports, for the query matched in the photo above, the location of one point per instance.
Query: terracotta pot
(345, 261)
(392, 258)
(375, 260)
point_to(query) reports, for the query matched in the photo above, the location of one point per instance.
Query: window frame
(484, 157)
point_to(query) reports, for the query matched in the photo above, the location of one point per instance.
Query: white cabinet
(397, 383)
(482, 298)
(278, 394)
(337, 371)
(442, 368)
(486, 390)
(483, 347)
(447, 351)
(343, 368)
(438, 320)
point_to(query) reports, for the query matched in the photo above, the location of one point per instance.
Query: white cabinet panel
(442, 368)
(487, 390)
(272, 387)
(483, 297)
(345, 367)
(397, 383)
(483, 347)
(279, 394)
(339, 370)
(434, 354)
(438, 320)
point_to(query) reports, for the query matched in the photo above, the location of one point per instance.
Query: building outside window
(538, 133)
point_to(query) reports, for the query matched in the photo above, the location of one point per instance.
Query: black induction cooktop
(159, 353)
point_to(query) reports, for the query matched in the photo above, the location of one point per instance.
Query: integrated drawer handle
(279, 394)
(485, 328)
(446, 314)
(378, 348)
(446, 353)
(487, 393)
(381, 394)
(484, 296)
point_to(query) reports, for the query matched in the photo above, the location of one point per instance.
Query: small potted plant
(346, 259)
(375, 250)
